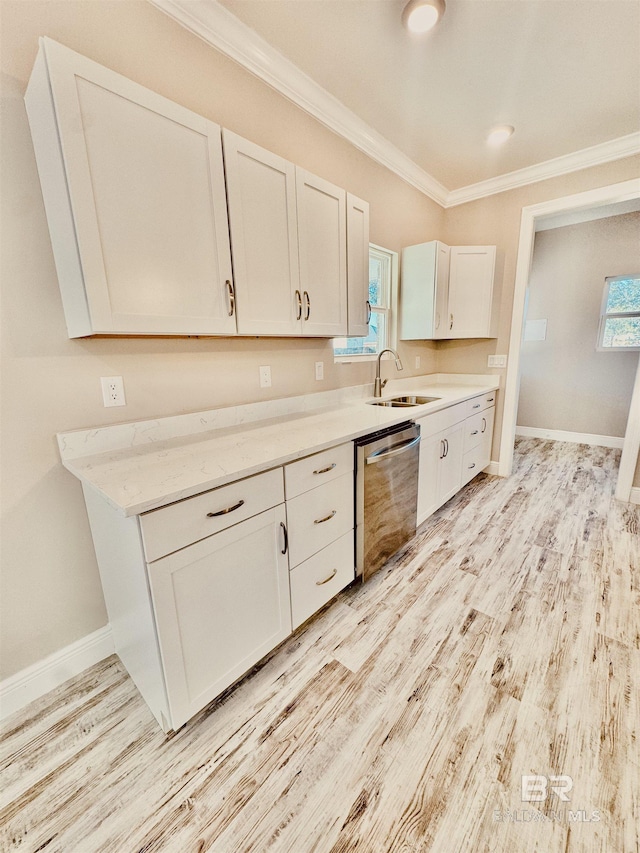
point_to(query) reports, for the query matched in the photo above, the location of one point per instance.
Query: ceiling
(564, 73)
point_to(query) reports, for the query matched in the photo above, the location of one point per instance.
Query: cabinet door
(431, 455)
(322, 235)
(440, 320)
(261, 190)
(451, 465)
(220, 606)
(471, 291)
(143, 183)
(358, 308)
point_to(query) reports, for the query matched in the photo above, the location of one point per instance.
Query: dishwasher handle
(379, 455)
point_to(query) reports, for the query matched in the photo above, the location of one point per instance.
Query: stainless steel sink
(406, 400)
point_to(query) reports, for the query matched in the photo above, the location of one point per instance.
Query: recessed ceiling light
(420, 16)
(499, 135)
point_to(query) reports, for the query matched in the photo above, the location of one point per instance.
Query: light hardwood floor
(503, 640)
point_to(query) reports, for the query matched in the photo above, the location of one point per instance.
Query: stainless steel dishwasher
(386, 494)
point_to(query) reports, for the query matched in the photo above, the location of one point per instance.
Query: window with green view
(620, 315)
(380, 301)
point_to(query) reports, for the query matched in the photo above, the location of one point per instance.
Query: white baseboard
(36, 680)
(634, 497)
(492, 468)
(575, 437)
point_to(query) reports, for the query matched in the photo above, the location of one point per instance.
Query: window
(620, 315)
(383, 273)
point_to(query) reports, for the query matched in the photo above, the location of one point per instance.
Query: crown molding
(218, 27)
(215, 24)
(614, 149)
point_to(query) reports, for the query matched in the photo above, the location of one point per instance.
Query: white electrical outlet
(319, 370)
(113, 391)
(417, 363)
(265, 376)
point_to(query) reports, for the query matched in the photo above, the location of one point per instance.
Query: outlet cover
(113, 391)
(417, 361)
(319, 370)
(265, 376)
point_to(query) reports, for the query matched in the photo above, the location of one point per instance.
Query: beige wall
(496, 220)
(51, 592)
(565, 384)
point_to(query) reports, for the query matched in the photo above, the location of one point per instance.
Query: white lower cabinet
(220, 606)
(455, 446)
(320, 578)
(440, 468)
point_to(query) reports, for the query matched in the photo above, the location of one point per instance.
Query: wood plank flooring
(503, 641)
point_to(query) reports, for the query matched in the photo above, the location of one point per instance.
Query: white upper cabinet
(133, 186)
(471, 277)
(358, 308)
(448, 292)
(322, 235)
(425, 290)
(261, 189)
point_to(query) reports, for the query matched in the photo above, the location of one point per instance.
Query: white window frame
(391, 311)
(604, 316)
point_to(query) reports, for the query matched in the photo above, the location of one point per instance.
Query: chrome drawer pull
(326, 518)
(475, 432)
(326, 580)
(324, 470)
(232, 298)
(473, 465)
(477, 406)
(225, 511)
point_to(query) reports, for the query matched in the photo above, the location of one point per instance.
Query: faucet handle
(383, 383)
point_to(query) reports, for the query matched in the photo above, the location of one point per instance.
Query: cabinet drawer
(177, 525)
(479, 404)
(319, 517)
(474, 429)
(439, 421)
(312, 471)
(318, 579)
(473, 463)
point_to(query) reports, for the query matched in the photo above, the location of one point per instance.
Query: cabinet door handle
(475, 432)
(225, 511)
(477, 406)
(441, 448)
(299, 301)
(308, 305)
(326, 518)
(473, 465)
(450, 322)
(368, 312)
(490, 399)
(286, 537)
(446, 447)
(484, 424)
(437, 320)
(326, 580)
(324, 470)
(232, 298)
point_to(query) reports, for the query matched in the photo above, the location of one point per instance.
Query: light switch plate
(319, 370)
(497, 361)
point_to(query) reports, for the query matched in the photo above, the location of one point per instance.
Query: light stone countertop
(146, 475)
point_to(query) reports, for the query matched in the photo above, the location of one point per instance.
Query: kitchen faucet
(378, 386)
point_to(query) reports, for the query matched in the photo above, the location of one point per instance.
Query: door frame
(602, 196)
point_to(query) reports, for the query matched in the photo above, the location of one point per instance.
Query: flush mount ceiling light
(499, 135)
(419, 16)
